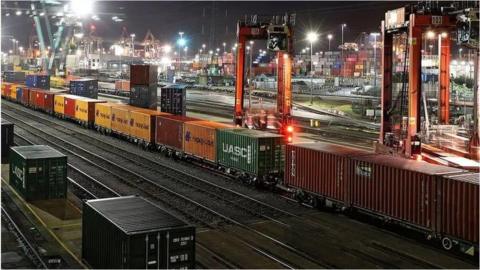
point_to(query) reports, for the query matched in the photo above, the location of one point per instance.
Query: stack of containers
(38, 81)
(14, 76)
(84, 87)
(38, 172)
(173, 99)
(143, 86)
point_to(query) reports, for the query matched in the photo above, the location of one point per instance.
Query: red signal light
(289, 129)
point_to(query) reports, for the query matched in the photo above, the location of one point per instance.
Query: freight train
(439, 201)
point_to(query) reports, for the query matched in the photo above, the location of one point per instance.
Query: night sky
(166, 18)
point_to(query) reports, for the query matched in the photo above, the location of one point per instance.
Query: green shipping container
(38, 172)
(251, 151)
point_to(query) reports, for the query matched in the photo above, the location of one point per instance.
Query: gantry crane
(278, 31)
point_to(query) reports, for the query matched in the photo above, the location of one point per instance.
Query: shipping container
(319, 169)
(173, 99)
(69, 104)
(41, 99)
(144, 96)
(85, 110)
(121, 119)
(142, 124)
(6, 89)
(19, 94)
(14, 76)
(169, 130)
(122, 85)
(253, 152)
(38, 172)
(25, 96)
(7, 139)
(402, 189)
(84, 87)
(199, 139)
(458, 206)
(103, 115)
(143, 74)
(132, 233)
(41, 81)
(13, 92)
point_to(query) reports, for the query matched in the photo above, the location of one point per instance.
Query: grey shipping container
(14, 76)
(143, 96)
(84, 88)
(7, 139)
(38, 172)
(132, 233)
(173, 99)
(143, 74)
(251, 151)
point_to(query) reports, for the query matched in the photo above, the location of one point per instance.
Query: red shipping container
(35, 95)
(458, 204)
(319, 168)
(169, 130)
(399, 188)
(69, 107)
(8, 89)
(45, 100)
(143, 74)
(25, 96)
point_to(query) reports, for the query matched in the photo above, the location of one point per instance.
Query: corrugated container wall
(25, 96)
(122, 86)
(69, 106)
(396, 187)
(251, 151)
(169, 130)
(458, 204)
(142, 124)
(7, 139)
(13, 92)
(121, 119)
(38, 81)
(319, 168)
(144, 96)
(38, 172)
(143, 74)
(103, 114)
(132, 233)
(85, 110)
(84, 87)
(173, 99)
(199, 139)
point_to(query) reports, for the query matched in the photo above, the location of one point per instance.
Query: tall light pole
(375, 35)
(330, 36)
(311, 37)
(133, 44)
(224, 44)
(343, 47)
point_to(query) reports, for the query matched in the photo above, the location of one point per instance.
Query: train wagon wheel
(447, 243)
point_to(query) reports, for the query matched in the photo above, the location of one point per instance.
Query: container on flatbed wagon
(41, 99)
(69, 104)
(41, 81)
(132, 233)
(169, 130)
(121, 119)
(458, 202)
(200, 139)
(13, 92)
(38, 172)
(404, 190)
(25, 96)
(142, 124)
(6, 86)
(85, 110)
(19, 93)
(7, 139)
(319, 168)
(143, 75)
(251, 151)
(103, 115)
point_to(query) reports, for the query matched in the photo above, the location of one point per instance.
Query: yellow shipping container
(59, 103)
(200, 138)
(85, 109)
(121, 119)
(142, 124)
(13, 91)
(103, 114)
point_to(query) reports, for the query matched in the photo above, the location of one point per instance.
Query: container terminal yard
(258, 135)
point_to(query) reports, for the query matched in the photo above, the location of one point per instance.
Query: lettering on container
(199, 140)
(362, 169)
(293, 164)
(20, 174)
(142, 126)
(237, 151)
(182, 240)
(179, 258)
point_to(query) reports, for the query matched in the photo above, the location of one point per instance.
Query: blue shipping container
(84, 87)
(38, 81)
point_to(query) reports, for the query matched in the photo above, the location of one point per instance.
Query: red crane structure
(278, 31)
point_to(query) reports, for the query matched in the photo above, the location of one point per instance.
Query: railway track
(228, 221)
(28, 247)
(198, 211)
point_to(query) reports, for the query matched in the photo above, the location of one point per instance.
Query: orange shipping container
(142, 124)
(103, 114)
(122, 85)
(200, 138)
(85, 109)
(121, 119)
